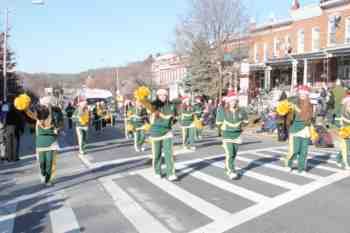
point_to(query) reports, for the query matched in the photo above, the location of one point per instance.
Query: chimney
(295, 5)
(252, 24)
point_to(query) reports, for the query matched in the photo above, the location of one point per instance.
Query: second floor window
(266, 52)
(332, 29)
(347, 31)
(316, 39)
(301, 36)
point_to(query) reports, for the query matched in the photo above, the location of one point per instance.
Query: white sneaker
(143, 149)
(158, 176)
(193, 148)
(172, 178)
(232, 175)
(339, 164)
(42, 179)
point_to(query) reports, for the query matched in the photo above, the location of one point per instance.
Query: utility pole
(118, 92)
(5, 55)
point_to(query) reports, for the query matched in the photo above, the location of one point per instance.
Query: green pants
(218, 127)
(343, 154)
(82, 138)
(188, 136)
(47, 160)
(230, 156)
(166, 146)
(198, 133)
(299, 148)
(139, 139)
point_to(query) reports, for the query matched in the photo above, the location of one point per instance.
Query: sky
(69, 36)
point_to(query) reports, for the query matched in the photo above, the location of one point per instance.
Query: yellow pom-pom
(22, 102)
(142, 93)
(314, 134)
(147, 127)
(130, 127)
(129, 114)
(198, 124)
(344, 132)
(283, 108)
(84, 119)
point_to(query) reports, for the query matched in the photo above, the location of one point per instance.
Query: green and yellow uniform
(138, 120)
(161, 136)
(199, 111)
(129, 129)
(81, 118)
(187, 118)
(231, 122)
(47, 142)
(219, 119)
(344, 141)
(299, 136)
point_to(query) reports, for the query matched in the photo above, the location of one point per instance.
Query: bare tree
(207, 27)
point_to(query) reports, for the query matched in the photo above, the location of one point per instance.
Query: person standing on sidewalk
(163, 113)
(15, 128)
(81, 118)
(233, 118)
(3, 133)
(69, 113)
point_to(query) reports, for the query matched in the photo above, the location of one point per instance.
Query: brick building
(168, 70)
(311, 46)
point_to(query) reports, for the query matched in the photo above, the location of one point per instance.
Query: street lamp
(6, 20)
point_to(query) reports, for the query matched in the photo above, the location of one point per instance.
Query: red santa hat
(303, 90)
(346, 99)
(231, 96)
(185, 98)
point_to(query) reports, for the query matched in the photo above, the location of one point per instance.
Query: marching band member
(299, 123)
(81, 117)
(187, 117)
(232, 119)
(49, 120)
(163, 113)
(344, 134)
(139, 122)
(129, 112)
(199, 111)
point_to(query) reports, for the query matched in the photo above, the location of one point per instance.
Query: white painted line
(86, 161)
(227, 186)
(225, 224)
(313, 158)
(315, 166)
(7, 218)
(276, 167)
(143, 221)
(264, 178)
(62, 217)
(200, 205)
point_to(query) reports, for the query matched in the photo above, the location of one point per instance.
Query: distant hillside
(130, 76)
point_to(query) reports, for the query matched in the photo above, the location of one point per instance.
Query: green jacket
(45, 137)
(162, 119)
(187, 116)
(199, 109)
(139, 117)
(232, 122)
(297, 123)
(70, 111)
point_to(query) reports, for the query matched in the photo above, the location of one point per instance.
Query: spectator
(3, 154)
(69, 112)
(15, 128)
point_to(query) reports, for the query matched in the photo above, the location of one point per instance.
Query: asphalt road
(113, 190)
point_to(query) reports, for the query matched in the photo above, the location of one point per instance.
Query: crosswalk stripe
(143, 221)
(276, 167)
(63, 218)
(7, 217)
(232, 188)
(264, 178)
(186, 197)
(225, 224)
(313, 158)
(318, 166)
